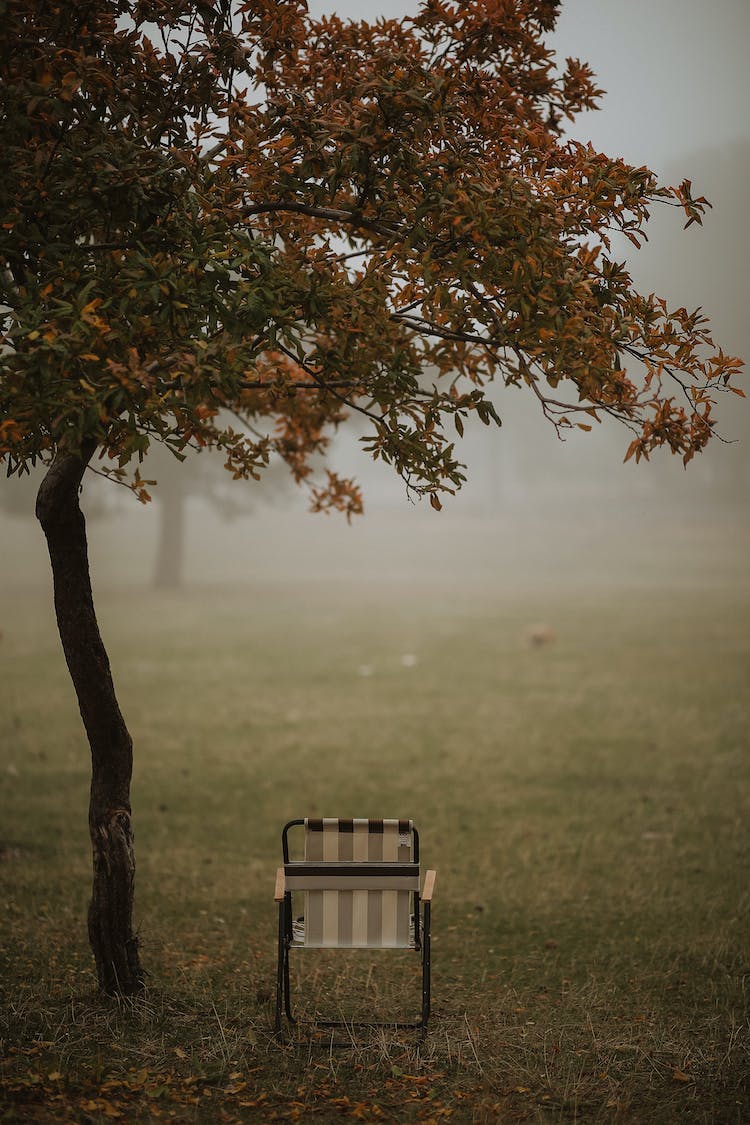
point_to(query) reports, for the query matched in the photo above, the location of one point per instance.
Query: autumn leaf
(680, 1076)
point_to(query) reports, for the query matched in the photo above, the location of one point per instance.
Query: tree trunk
(114, 945)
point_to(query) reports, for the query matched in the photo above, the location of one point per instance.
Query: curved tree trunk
(114, 945)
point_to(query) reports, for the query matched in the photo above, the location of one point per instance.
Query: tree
(229, 224)
(202, 478)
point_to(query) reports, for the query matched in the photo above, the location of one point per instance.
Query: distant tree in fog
(204, 479)
(231, 224)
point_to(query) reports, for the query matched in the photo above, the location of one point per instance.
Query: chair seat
(299, 940)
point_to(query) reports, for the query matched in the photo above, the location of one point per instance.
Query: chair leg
(287, 991)
(283, 990)
(426, 967)
(283, 958)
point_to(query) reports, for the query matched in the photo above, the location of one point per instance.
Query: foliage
(230, 224)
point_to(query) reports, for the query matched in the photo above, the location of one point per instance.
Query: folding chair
(360, 885)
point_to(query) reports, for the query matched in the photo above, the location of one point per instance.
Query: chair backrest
(359, 878)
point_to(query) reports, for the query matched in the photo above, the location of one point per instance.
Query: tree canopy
(231, 224)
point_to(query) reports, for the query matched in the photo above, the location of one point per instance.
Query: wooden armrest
(429, 886)
(278, 893)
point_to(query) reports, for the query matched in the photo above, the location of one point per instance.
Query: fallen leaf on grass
(99, 1105)
(680, 1076)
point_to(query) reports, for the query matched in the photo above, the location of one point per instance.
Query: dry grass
(585, 801)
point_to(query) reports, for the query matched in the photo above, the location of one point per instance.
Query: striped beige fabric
(358, 881)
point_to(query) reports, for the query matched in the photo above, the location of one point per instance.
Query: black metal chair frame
(421, 910)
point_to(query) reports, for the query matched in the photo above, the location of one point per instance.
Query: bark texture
(113, 943)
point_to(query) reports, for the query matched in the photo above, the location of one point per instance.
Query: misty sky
(675, 71)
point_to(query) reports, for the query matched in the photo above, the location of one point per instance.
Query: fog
(535, 509)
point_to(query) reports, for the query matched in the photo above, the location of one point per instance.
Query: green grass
(586, 804)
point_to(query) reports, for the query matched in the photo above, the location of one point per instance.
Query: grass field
(586, 803)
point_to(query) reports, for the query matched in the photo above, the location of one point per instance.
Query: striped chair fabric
(358, 881)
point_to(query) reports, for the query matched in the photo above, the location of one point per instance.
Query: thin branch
(425, 327)
(109, 476)
(259, 385)
(682, 384)
(243, 421)
(332, 214)
(213, 152)
(351, 254)
(324, 386)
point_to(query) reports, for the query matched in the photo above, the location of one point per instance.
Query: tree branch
(322, 385)
(331, 214)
